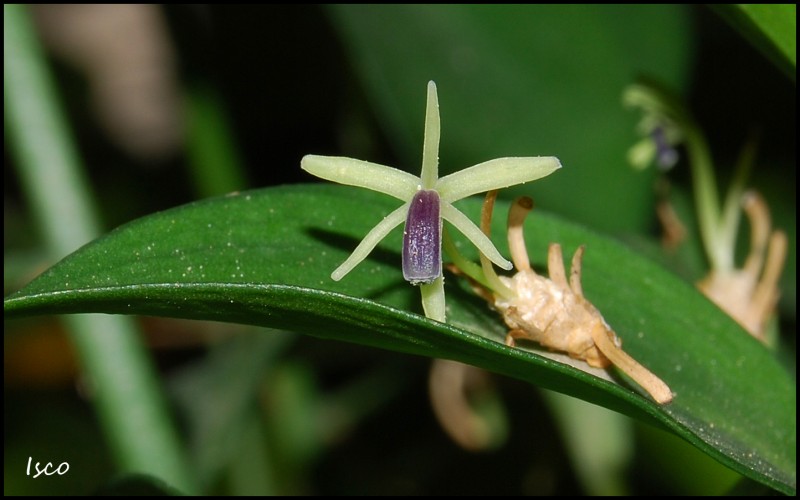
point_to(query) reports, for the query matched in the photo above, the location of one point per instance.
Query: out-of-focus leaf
(216, 396)
(137, 485)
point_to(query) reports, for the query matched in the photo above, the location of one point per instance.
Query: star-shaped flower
(427, 200)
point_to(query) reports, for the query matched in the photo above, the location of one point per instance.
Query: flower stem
(433, 302)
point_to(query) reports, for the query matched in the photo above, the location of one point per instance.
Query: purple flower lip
(422, 239)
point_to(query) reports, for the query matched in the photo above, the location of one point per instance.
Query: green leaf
(137, 485)
(218, 395)
(772, 28)
(264, 258)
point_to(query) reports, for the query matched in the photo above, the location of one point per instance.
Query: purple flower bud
(666, 155)
(422, 242)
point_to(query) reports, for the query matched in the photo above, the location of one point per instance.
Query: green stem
(716, 240)
(732, 209)
(466, 266)
(215, 165)
(706, 198)
(599, 443)
(124, 385)
(433, 302)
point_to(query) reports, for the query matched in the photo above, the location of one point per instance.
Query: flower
(427, 200)
(659, 128)
(748, 294)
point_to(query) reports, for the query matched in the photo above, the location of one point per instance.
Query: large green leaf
(772, 28)
(264, 258)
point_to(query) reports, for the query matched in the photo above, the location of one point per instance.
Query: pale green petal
(430, 148)
(381, 178)
(642, 154)
(369, 242)
(433, 302)
(495, 174)
(474, 234)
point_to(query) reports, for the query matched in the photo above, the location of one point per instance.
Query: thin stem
(706, 197)
(466, 266)
(666, 107)
(555, 266)
(126, 392)
(765, 296)
(474, 234)
(495, 284)
(760, 226)
(216, 165)
(575, 271)
(516, 241)
(641, 375)
(731, 211)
